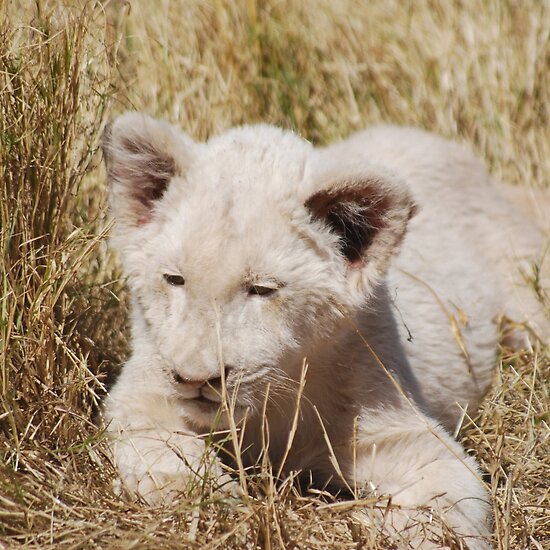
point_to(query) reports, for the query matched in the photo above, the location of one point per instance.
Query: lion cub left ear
(368, 210)
(142, 156)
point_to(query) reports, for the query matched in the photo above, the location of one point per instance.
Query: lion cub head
(246, 252)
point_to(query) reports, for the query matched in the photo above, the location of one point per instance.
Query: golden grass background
(477, 71)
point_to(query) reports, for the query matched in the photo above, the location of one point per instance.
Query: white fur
(393, 356)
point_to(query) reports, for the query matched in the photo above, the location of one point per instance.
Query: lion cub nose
(215, 381)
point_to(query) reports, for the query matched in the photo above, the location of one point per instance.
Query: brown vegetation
(475, 71)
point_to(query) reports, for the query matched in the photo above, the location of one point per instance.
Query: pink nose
(191, 382)
(215, 381)
(194, 383)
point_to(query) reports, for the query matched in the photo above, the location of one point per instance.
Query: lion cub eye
(174, 280)
(258, 290)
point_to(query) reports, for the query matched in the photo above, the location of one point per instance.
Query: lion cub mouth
(203, 399)
(210, 400)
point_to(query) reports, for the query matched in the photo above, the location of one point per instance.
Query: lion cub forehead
(261, 160)
(238, 199)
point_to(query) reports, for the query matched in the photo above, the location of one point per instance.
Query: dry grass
(476, 71)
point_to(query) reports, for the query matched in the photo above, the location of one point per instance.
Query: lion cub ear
(142, 156)
(367, 209)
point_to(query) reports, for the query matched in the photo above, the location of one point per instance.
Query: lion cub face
(245, 252)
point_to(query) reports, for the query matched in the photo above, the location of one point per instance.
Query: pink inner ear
(356, 264)
(356, 214)
(144, 219)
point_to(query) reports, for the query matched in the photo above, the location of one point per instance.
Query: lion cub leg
(426, 473)
(157, 458)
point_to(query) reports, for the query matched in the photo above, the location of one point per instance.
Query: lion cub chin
(380, 263)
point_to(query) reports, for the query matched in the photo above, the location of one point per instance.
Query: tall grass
(49, 126)
(474, 71)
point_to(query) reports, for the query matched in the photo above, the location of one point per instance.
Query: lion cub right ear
(367, 208)
(142, 156)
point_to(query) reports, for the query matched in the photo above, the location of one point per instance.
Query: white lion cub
(253, 254)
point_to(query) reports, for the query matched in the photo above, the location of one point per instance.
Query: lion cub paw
(159, 471)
